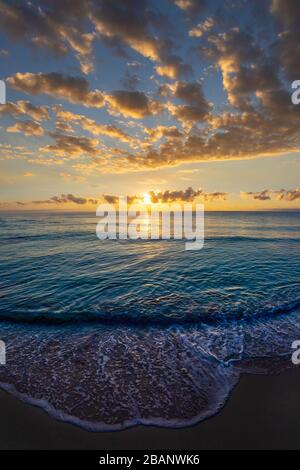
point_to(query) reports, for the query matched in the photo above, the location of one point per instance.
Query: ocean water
(109, 334)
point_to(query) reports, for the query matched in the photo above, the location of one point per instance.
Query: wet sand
(263, 412)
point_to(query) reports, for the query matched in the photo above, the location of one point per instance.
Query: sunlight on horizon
(147, 199)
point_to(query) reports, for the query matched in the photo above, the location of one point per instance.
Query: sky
(180, 99)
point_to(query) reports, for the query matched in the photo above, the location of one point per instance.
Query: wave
(110, 378)
(46, 236)
(111, 317)
(85, 234)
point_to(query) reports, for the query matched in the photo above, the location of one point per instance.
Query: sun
(147, 198)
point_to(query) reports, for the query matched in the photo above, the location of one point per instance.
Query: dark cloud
(28, 128)
(260, 196)
(281, 195)
(190, 93)
(229, 137)
(38, 113)
(287, 13)
(257, 119)
(196, 107)
(71, 146)
(76, 199)
(187, 195)
(173, 67)
(130, 22)
(67, 198)
(72, 89)
(242, 63)
(45, 24)
(189, 113)
(133, 104)
(111, 199)
(288, 195)
(120, 25)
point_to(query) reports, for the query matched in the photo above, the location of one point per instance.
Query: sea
(108, 334)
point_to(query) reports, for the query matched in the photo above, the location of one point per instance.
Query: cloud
(202, 28)
(67, 198)
(187, 114)
(72, 89)
(191, 7)
(220, 196)
(288, 195)
(251, 77)
(110, 199)
(64, 127)
(196, 108)
(168, 196)
(169, 132)
(260, 196)
(127, 21)
(130, 23)
(231, 137)
(244, 67)
(75, 199)
(287, 13)
(119, 25)
(90, 125)
(173, 67)
(253, 118)
(10, 152)
(47, 26)
(187, 195)
(281, 195)
(38, 113)
(28, 128)
(134, 104)
(71, 146)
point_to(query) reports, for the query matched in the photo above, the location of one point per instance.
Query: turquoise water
(107, 334)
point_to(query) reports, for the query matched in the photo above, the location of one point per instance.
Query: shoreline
(262, 412)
